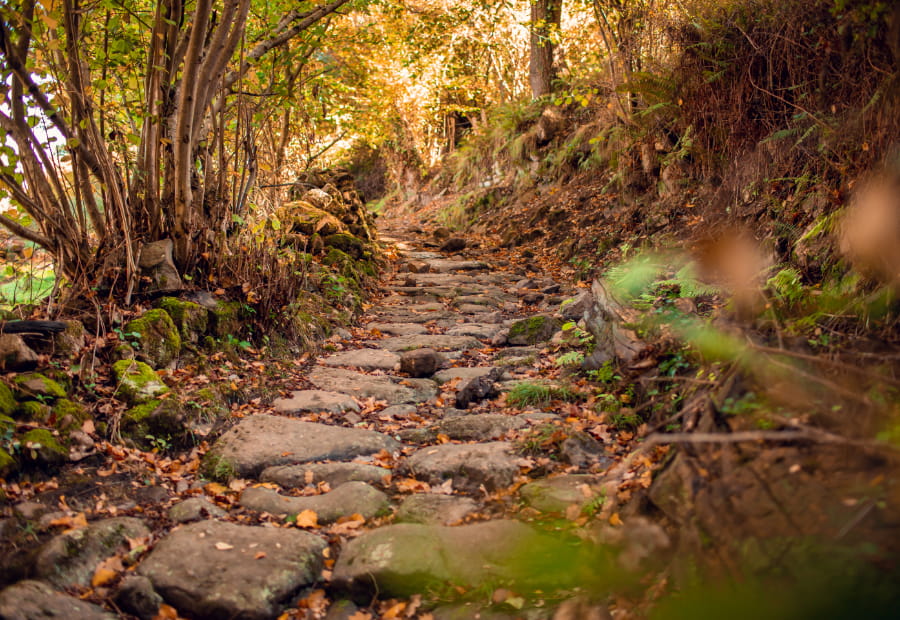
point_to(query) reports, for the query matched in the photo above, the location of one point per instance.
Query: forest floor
(436, 461)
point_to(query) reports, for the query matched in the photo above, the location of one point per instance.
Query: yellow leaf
(307, 518)
(102, 576)
(614, 519)
(28, 252)
(214, 488)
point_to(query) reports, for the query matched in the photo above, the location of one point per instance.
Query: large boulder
(156, 337)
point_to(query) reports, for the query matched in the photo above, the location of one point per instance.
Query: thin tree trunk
(545, 20)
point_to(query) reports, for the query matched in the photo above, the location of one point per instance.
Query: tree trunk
(545, 18)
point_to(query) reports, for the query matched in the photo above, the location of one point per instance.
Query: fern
(688, 284)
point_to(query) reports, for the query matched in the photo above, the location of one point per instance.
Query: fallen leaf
(223, 546)
(615, 519)
(103, 576)
(307, 518)
(259, 555)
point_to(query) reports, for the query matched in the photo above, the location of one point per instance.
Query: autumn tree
(113, 131)
(545, 26)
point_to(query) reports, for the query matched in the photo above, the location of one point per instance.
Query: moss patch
(137, 382)
(160, 342)
(7, 400)
(33, 384)
(162, 419)
(33, 410)
(191, 318)
(40, 445)
(7, 463)
(534, 329)
(68, 414)
(354, 246)
(225, 319)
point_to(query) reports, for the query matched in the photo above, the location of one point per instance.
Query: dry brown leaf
(307, 518)
(223, 546)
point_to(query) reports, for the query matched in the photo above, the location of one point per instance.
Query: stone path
(395, 430)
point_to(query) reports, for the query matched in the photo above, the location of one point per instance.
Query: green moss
(225, 319)
(191, 318)
(532, 394)
(33, 410)
(351, 245)
(7, 400)
(6, 423)
(155, 418)
(532, 330)
(216, 467)
(68, 414)
(41, 445)
(160, 342)
(31, 384)
(7, 463)
(137, 382)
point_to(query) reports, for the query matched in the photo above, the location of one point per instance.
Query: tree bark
(545, 19)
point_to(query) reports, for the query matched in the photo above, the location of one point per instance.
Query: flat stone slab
(430, 341)
(476, 300)
(347, 499)
(399, 315)
(481, 427)
(464, 372)
(447, 265)
(435, 509)
(335, 474)
(195, 509)
(35, 600)
(367, 359)
(482, 331)
(215, 569)
(474, 309)
(468, 465)
(70, 559)
(398, 329)
(443, 279)
(405, 559)
(263, 441)
(315, 401)
(558, 493)
(392, 390)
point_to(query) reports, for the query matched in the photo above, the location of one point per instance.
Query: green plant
(786, 286)
(625, 420)
(159, 444)
(570, 358)
(233, 342)
(530, 394)
(595, 505)
(605, 374)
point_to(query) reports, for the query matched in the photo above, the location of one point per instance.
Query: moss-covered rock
(160, 342)
(68, 414)
(69, 342)
(534, 329)
(41, 446)
(33, 410)
(7, 463)
(137, 382)
(350, 244)
(160, 419)
(31, 384)
(225, 319)
(301, 217)
(191, 318)
(7, 400)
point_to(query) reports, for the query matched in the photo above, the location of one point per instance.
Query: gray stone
(430, 341)
(434, 509)
(35, 600)
(392, 390)
(394, 315)
(398, 329)
(476, 300)
(480, 427)
(156, 261)
(464, 372)
(335, 474)
(263, 441)
(447, 265)
(468, 465)
(474, 309)
(603, 319)
(347, 499)
(558, 493)
(316, 401)
(453, 244)
(70, 559)
(398, 411)
(15, 355)
(482, 331)
(420, 362)
(575, 309)
(195, 509)
(214, 569)
(367, 359)
(581, 450)
(534, 329)
(136, 596)
(405, 559)
(474, 389)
